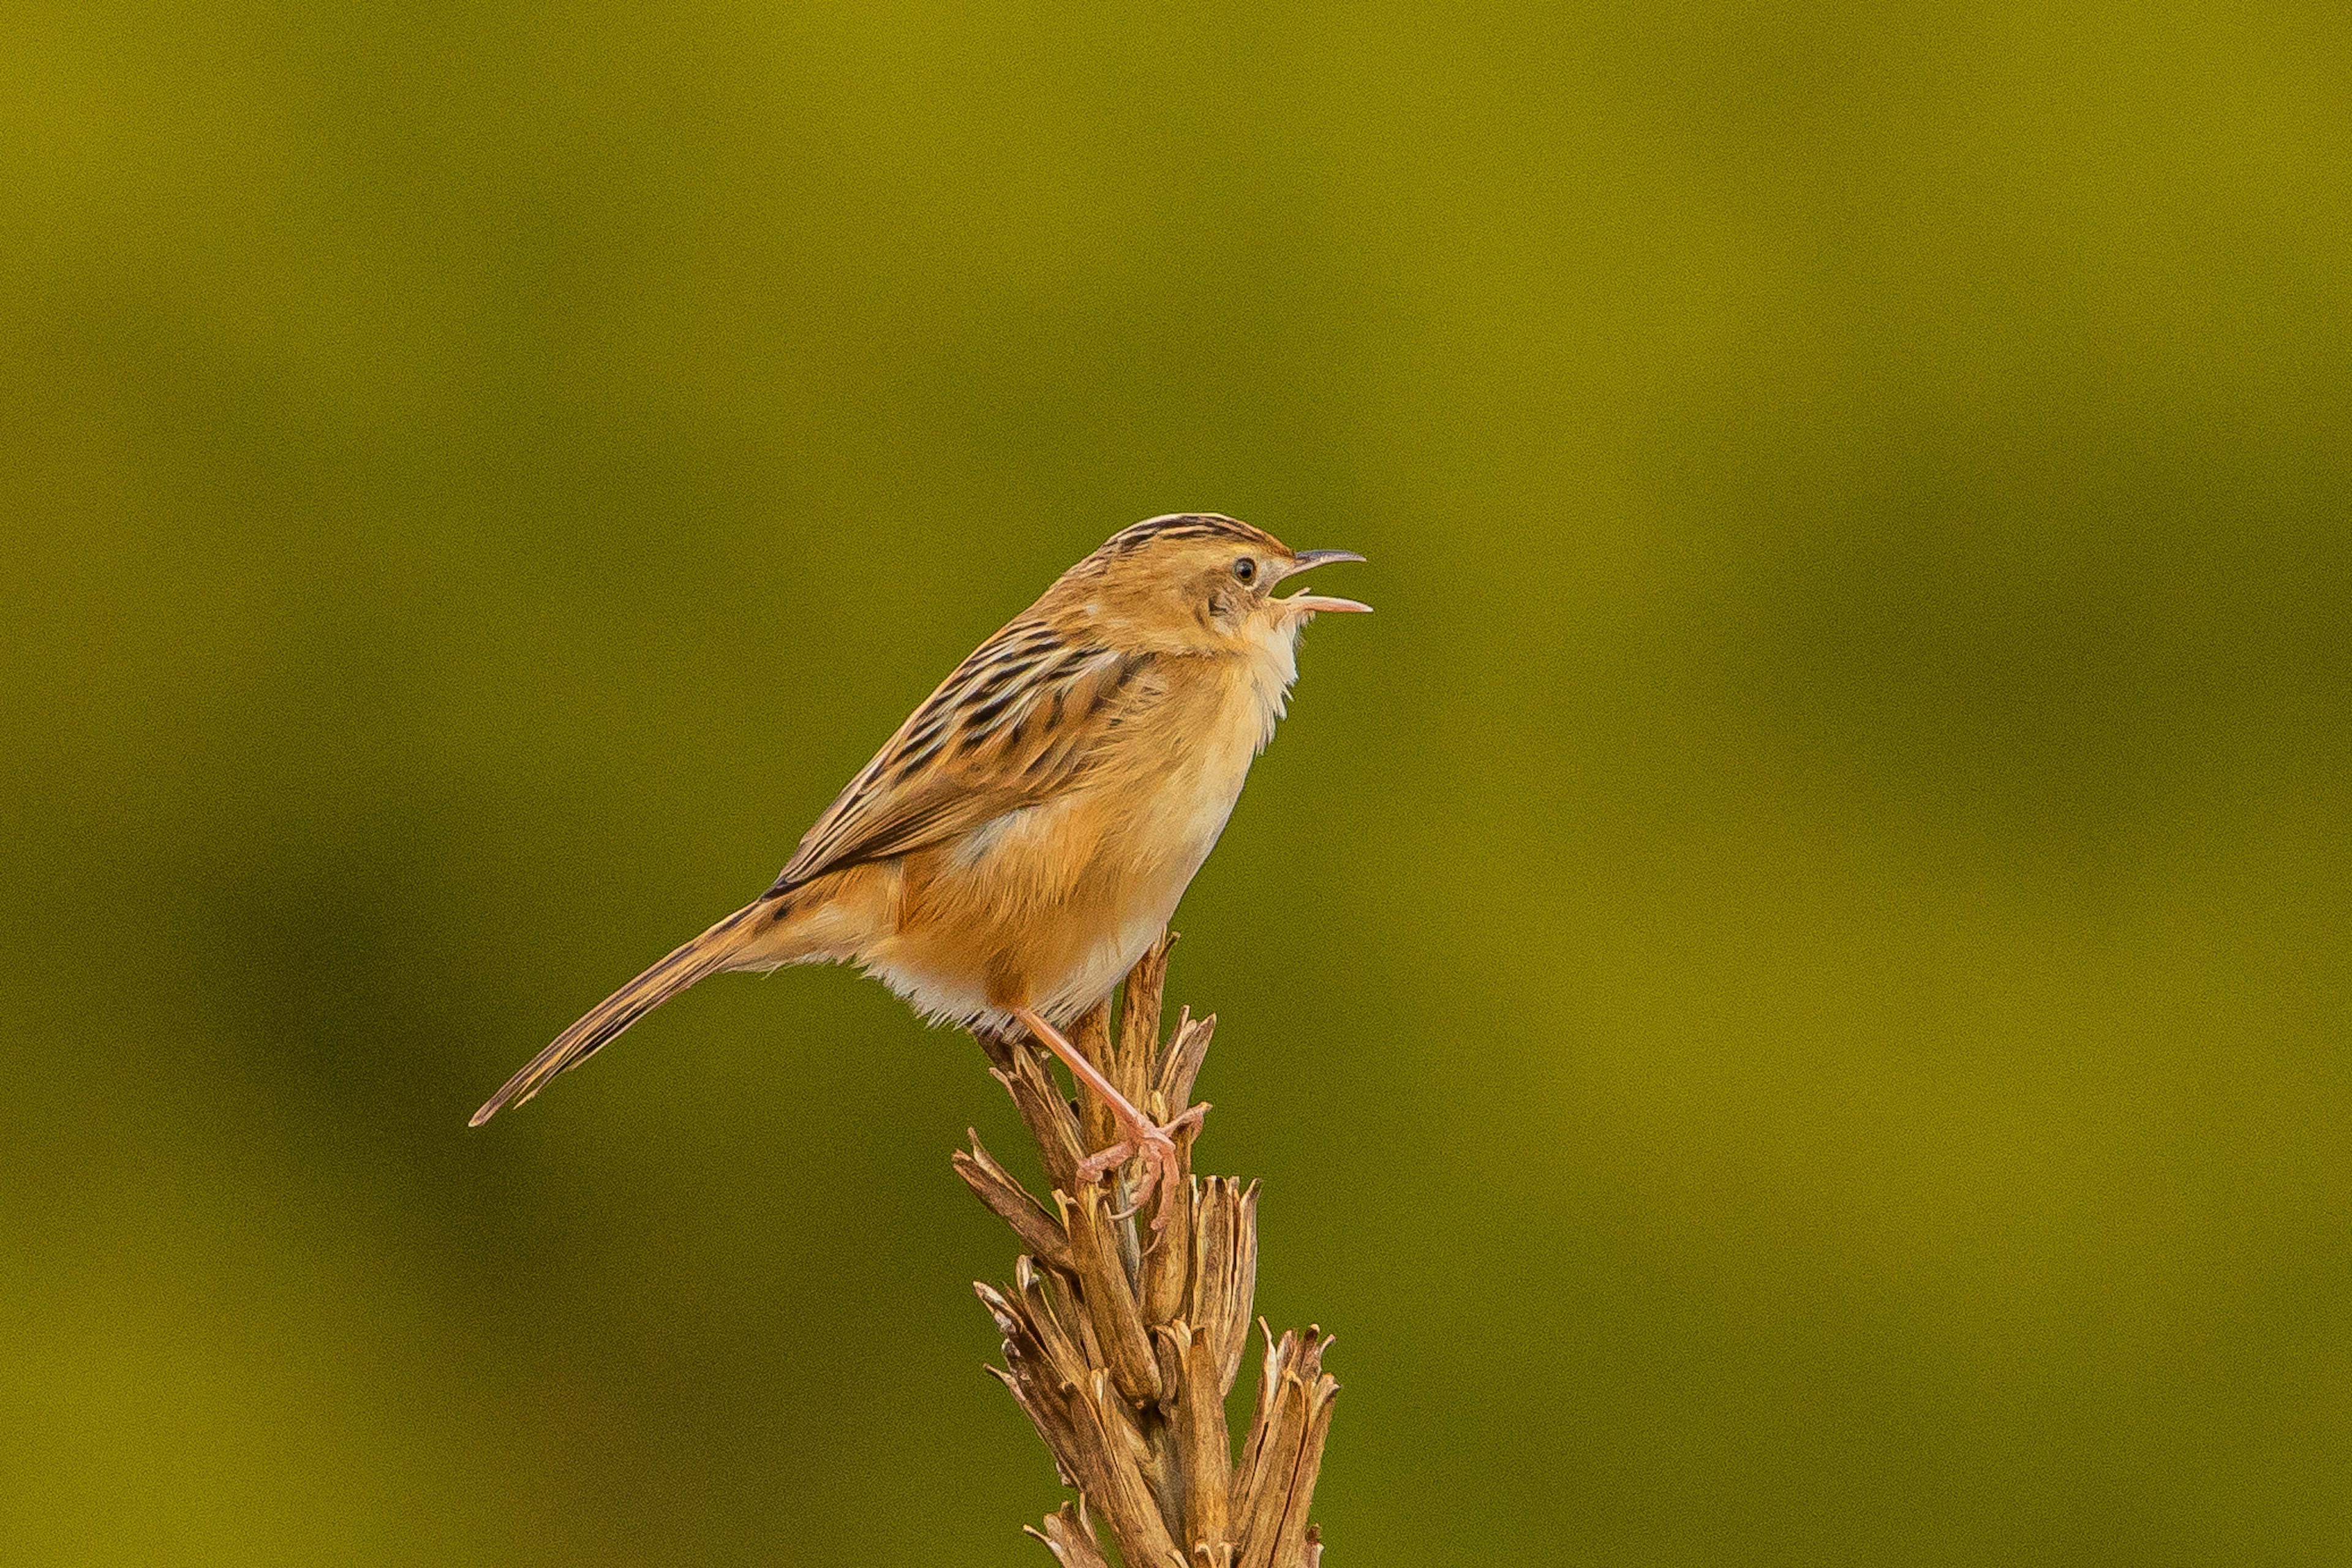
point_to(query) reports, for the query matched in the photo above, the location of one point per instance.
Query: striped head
(1192, 582)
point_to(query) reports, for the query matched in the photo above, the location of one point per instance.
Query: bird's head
(1197, 582)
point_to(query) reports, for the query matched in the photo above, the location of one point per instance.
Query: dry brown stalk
(1122, 1345)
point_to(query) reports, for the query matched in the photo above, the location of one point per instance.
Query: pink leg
(1140, 1136)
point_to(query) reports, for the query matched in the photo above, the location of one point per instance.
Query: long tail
(705, 955)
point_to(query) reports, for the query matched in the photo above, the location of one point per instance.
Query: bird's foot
(1156, 1146)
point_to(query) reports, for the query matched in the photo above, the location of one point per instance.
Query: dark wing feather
(1018, 723)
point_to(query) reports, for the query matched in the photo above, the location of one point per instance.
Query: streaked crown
(1182, 525)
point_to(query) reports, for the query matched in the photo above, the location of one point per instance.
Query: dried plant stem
(1121, 1343)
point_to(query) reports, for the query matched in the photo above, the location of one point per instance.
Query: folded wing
(1020, 722)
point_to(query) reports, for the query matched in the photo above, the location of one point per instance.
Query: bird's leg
(1138, 1134)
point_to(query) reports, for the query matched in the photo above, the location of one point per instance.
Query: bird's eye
(1245, 569)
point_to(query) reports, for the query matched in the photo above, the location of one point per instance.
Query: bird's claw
(1156, 1146)
(1097, 1165)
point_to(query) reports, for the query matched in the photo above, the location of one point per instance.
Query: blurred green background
(1790, 989)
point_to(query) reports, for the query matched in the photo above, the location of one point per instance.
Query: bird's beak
(1308, 604)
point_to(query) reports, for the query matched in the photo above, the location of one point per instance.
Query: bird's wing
(1019, 722)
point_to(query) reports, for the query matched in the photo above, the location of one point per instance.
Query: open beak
(1308, 604)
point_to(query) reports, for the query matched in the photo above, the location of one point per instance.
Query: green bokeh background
(1789, 990)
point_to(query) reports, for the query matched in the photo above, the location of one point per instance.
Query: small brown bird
(1025, 837)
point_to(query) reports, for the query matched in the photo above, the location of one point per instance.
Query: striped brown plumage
(1023, 837)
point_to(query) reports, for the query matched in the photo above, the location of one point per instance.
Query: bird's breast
(1179, 788)
(1055, 901)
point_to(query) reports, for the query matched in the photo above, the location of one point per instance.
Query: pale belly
(1049, 907)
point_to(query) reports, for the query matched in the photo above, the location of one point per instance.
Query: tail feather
(705, 955)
